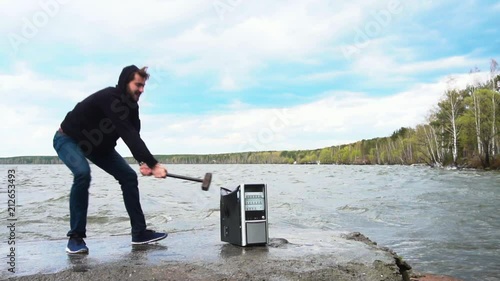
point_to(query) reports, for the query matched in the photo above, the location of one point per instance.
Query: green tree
(487, 116)
(325, 156)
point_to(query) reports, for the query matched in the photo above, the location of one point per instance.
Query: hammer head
(206, 181)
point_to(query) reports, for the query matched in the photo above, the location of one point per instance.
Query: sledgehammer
(205, 182)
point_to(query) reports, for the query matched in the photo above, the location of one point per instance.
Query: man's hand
(159, 171)
(145, 170)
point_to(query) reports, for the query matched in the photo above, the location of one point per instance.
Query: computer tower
(243, 215)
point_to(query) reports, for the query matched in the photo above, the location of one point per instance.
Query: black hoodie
(98, 121)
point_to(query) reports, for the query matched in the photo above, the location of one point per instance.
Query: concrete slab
(200, 255)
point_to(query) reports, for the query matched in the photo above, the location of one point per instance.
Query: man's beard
(133, 95)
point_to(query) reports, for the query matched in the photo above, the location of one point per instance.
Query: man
(90, 131)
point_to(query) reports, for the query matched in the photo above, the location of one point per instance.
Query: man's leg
(68, 151)
(116, 166)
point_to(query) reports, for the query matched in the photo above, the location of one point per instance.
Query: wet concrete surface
(200, 255)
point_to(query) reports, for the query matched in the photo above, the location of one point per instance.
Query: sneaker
(148, 236)
(76, 245)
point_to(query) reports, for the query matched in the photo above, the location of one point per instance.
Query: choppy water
(446, 222)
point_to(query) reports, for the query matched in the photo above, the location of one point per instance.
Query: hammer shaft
(183, 177)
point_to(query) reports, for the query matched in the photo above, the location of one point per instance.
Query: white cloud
(27, 130)
(188, 37)
(250, 36)
(379, 67)
(227, 83)
(439, 64)
(25, 84)
(291, 32)
(321, 76)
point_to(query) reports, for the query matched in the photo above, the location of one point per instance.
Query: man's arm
(118, 112)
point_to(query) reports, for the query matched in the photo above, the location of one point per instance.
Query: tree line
(461, 131)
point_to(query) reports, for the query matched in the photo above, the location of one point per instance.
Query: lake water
(445, 222)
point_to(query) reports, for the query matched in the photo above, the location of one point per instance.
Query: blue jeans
(111, 162)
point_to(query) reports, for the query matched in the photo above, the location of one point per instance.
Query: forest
(461, 131)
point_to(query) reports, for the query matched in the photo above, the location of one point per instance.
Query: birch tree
(476, 110)
(450, 108)
(483, 99)
(428, 145)
(494, 98)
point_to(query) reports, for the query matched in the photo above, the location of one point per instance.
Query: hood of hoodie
(125, 78)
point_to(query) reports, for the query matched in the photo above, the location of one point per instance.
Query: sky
(241, 75)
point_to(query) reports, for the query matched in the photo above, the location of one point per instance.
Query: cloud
(27, 130)
(228, 83)
(445, 63)
(26, 85)
(321, 76)
(251, 37)
(189, 38)
(379, 68)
